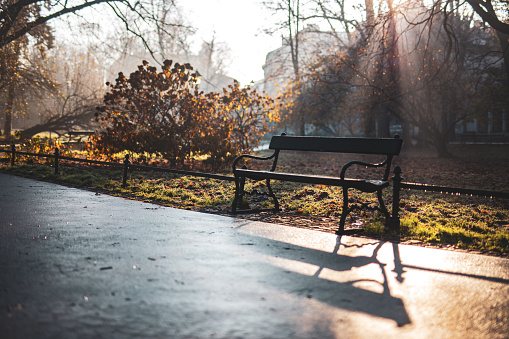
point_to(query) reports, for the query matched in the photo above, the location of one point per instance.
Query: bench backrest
(385, 146)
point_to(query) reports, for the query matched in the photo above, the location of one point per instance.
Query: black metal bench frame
(388, 147)
(71, 134)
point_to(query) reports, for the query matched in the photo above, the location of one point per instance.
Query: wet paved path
(75, 264)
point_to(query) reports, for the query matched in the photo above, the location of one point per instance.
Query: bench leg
(382, 205)
(239, 190)
(345, 211)
(272, 195)
(236, 197)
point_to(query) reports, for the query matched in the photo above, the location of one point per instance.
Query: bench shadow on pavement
(345, 294)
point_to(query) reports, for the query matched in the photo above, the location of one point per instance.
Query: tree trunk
(302, 126)
(9, 110)
(383, 125)
(504, 45)
(30, 132)
(370, 13)
(370, 124)
(63, 124)
(441, 147)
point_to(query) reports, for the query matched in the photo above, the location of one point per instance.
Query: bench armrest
(362, 163)
(237, 159)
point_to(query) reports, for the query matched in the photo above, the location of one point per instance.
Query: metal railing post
(13, 153)
(126, 167)
(396, 188)
(57, 154)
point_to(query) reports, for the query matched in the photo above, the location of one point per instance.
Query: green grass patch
(468, 222)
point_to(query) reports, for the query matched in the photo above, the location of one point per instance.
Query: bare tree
(291, 27)
(493, 13)
(74, 105)
(212, 62)
(433, 71)
(340, 18)
(25, 73)
(13, 11)
(422, 67)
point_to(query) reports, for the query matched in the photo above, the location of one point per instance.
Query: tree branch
(487, 13)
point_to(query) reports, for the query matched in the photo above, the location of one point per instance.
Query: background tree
(119, 50)
(81, 90)
(451, 82)
(212, 62)
(151, 30)
(495, 13)
(123, 51)
(19, 18)
(339, 18)
(330, 101)
(426, 68)
(427, 74)
(24, 69)
(291, 27)
(346, 28)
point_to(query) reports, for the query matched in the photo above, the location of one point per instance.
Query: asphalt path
(77, 264)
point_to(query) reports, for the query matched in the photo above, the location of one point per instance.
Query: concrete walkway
(75, 264)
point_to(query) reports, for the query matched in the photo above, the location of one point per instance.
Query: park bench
(77, 137)
(79, 134)
(386, 147)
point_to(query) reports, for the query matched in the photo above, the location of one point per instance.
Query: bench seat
(368, 186)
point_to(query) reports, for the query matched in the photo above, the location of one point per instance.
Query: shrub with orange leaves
(241, 116)
(163, 113)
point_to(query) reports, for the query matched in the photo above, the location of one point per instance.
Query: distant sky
(239, 23)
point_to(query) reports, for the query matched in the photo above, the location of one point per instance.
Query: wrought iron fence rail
(33, 154)
(126, 165)
(454, 190)
(89, 161)
(183, 172)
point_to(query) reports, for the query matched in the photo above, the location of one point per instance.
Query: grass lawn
(432, 219)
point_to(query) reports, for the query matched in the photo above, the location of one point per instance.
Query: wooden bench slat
(81, 132)
(388, 146)
(365, 185)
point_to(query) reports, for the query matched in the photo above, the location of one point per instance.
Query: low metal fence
(126, 165)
